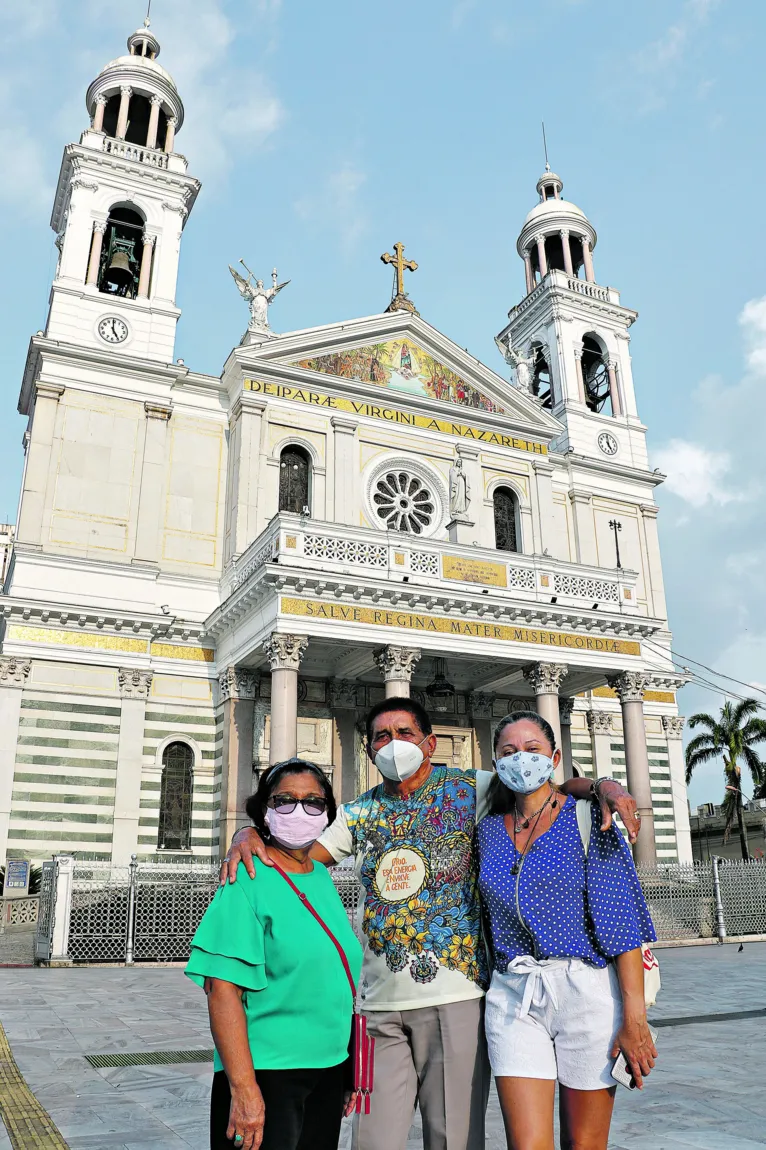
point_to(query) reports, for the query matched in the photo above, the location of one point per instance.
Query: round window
(403, 502)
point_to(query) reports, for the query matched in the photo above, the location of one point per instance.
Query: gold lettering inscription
(392, 415)
(411, 621)
(474, 571)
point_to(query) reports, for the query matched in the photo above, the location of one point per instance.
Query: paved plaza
(706, 1093)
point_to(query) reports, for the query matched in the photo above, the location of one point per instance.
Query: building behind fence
(95, 912)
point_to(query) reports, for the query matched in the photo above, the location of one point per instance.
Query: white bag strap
(584, 822)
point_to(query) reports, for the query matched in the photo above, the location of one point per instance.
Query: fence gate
(44, 935)
(98, 922)
(168, 909)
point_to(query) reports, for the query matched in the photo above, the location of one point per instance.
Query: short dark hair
(500, 799)
(411, 706)
(256, 804)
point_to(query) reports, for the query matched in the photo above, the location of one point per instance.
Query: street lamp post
(616, 527)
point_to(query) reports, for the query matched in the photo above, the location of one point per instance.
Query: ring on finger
(238, 1140)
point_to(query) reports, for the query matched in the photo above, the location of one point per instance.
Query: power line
(711, 670)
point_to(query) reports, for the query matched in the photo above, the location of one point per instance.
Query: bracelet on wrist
(597, 783)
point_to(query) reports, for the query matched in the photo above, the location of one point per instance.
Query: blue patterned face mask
(525, 771)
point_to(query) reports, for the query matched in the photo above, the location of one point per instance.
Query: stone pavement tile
(5, 1142)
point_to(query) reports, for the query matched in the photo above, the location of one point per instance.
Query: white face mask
(525, 771)
(399, 760)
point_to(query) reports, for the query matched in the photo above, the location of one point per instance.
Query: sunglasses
(313, 805)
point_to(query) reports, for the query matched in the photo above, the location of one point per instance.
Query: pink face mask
(297, 829)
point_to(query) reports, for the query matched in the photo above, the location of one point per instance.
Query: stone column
(99, 227)
(579, 375)
(480, 706)
(145, 273)
(284, 653)
(584, 526)
(13, 677)
(154, 120)
(541, 257)
(245, 425)
(630, 687)
(673, 725)
(98, 114)
(614, 389)
(397, 665)
(600, 727)
(38, 463)
(237, 698)
(122, 116)
(590, 275)
(346, 472)
(134, 690)
(545, 679)
(151, 499)
(170, 134)
(568, 268)
(345, 783)
(529, 274)
(566, 706)
(656, 588)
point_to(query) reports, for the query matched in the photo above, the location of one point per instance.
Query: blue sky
(323, 132)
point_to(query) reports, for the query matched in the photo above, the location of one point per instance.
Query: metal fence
(94, 912)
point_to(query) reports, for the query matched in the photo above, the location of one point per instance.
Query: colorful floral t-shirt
(420, 918)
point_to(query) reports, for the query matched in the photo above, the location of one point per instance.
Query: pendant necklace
(516, 868)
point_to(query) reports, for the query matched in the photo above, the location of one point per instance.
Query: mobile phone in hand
(621, 1071)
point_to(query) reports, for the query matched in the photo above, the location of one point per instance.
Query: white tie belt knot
(539, 982)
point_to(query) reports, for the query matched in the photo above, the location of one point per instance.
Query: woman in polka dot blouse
(567, 991)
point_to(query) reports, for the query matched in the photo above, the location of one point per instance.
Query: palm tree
(731, 736)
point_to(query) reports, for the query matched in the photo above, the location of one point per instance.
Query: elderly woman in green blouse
(279, 998)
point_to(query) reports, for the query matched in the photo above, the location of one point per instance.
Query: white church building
(213, 572)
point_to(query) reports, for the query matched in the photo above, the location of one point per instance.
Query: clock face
(112, 329)
(608, 443)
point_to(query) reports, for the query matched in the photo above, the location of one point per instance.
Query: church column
(568, 268)
(600, 727)
(584, 526)
(98, 114)
(630, 687)
(542, 260)
(579, 375)
(245, 428)
(151, 500)
(170, 134)
(13, 677)
(99, 228)
(529, 271)
(237, 689)
(134, 690)
(345, 782)
(614, 389)
(397, 665)
(648, 523)
(122, 116)
(284, 653)
(154, 121)
(43, 430)
(480, 706)
(566, 706)
(144, 275)
(346, 469)
(545, 679)
(587, 258)
(673, 725)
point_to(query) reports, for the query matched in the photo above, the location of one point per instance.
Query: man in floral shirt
(424, 971)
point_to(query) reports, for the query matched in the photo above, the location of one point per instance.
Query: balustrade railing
(142, 155)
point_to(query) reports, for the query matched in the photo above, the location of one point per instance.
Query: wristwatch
(597, 783)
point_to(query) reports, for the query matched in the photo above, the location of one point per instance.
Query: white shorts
(554, 1019)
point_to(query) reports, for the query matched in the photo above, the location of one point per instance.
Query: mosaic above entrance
(403, 366)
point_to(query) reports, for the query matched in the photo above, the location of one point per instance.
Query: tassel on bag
(361, 1046)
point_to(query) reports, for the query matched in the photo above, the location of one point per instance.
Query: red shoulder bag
(361, 1047)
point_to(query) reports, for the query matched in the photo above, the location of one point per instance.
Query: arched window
(595, 374)
(294, 477)
(121, 253)
(542, 387)
(174, 832)
(506, 526)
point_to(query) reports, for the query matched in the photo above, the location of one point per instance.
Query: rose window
(403, 503)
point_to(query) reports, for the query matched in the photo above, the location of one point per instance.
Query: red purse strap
(325, 928)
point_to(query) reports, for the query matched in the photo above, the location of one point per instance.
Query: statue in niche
(257, 296)
(459, 490)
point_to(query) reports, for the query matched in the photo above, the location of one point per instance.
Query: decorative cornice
(134, 684)
(545, 678)
(14, 672)
(284, 652)
(673, 726)
(396, 662)
(236, 683)
(566, 706)
(49, 390)
(158, 410)
(599, 722)
(629, 685)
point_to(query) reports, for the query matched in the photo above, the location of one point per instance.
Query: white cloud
(752, 320)
(656, 66)
(695, 473)
(337, 204)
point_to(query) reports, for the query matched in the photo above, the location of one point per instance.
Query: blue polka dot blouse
(570, 907)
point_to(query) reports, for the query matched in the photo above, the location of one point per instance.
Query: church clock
(608, 443)
(112, 329)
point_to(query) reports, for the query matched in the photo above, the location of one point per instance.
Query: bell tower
(122, 200)
(567, 340)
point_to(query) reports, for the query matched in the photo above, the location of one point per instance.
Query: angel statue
(521, 364)
(257, 296)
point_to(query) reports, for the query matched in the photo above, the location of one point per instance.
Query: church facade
(213, 572)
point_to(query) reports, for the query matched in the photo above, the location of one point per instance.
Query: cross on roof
(401, 265)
